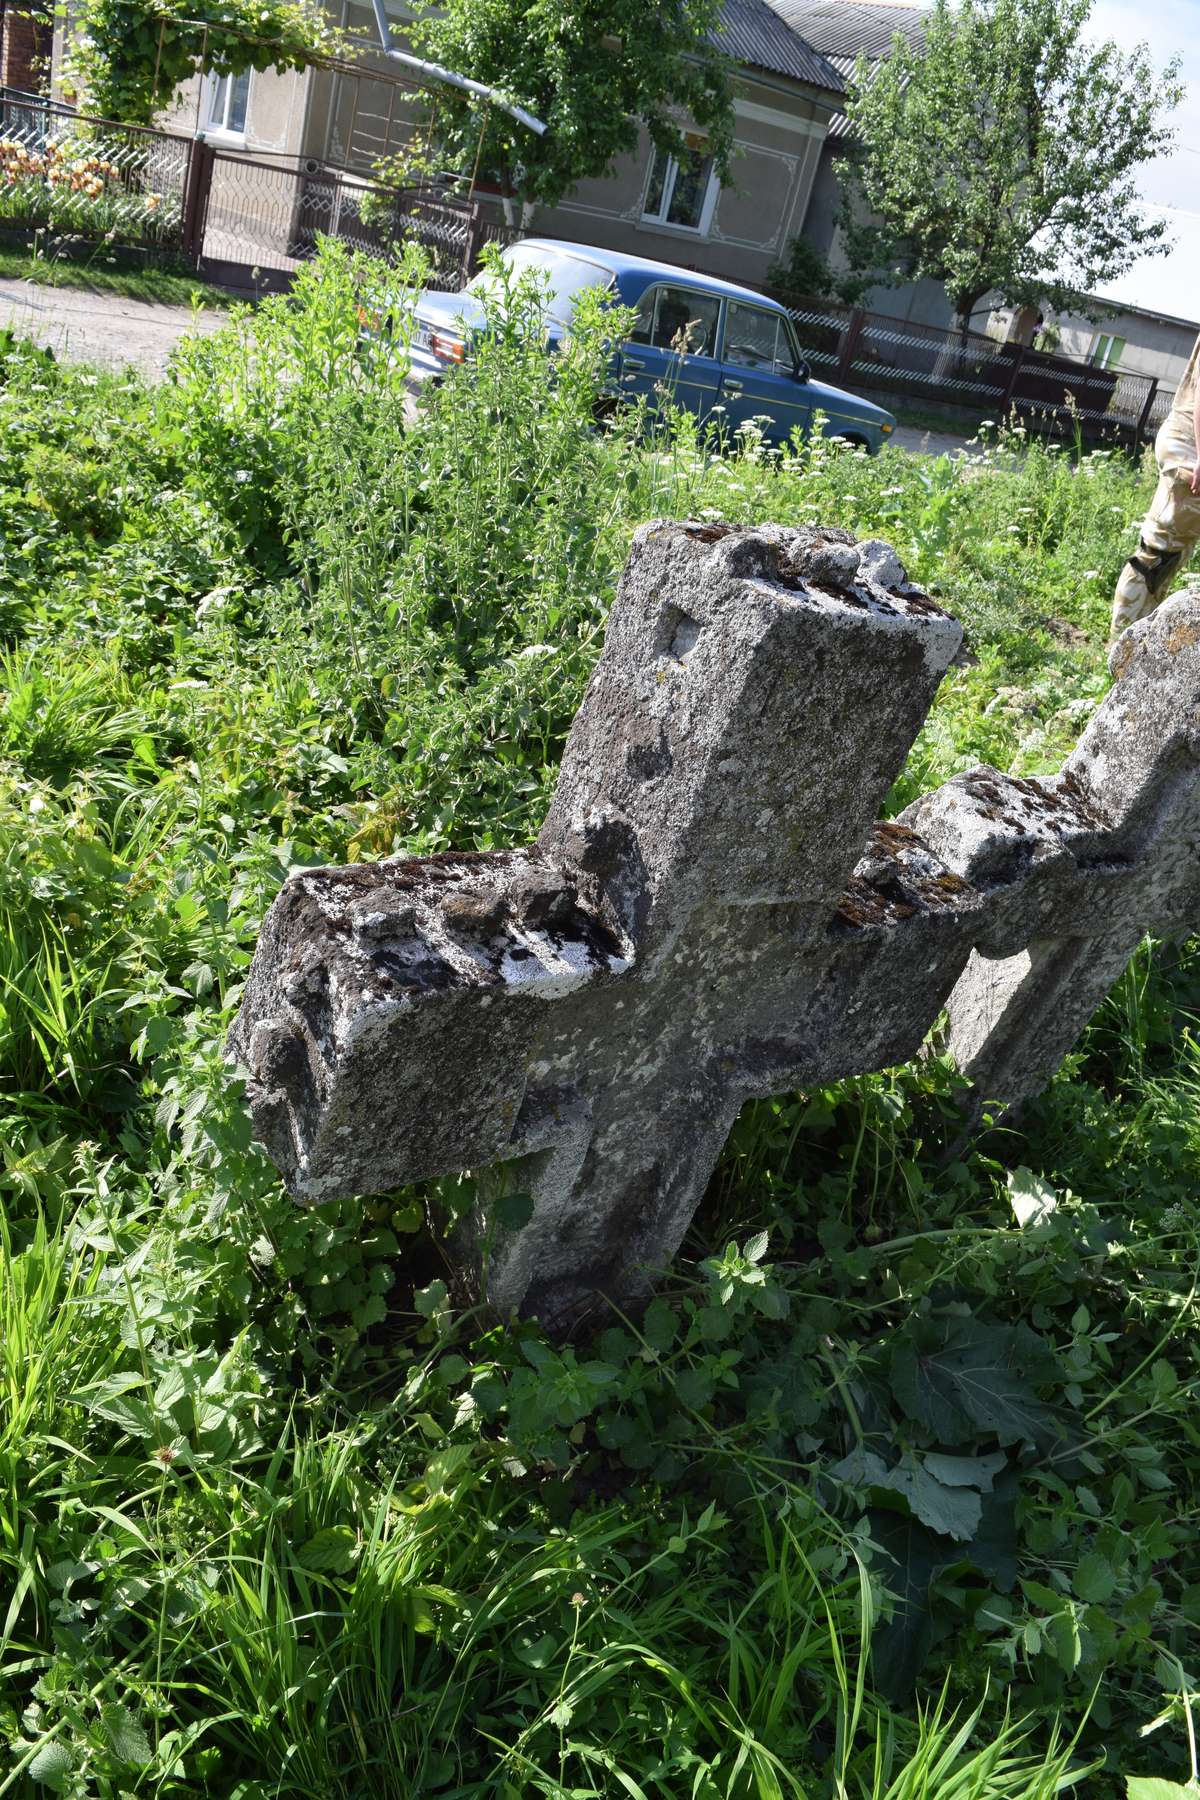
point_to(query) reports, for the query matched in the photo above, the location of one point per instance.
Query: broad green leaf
(1032, 1199)
(961, 1377)
(910, 1555)
(331, 1551)
(373, 1311)
(51, 1766)
(126, 1736)
(430, 1300)
(512, 1212)
(409, 1217)
(537, 1652)
(966, 1471)
(1155, 1787)
(1094, 1579)
(659, 1326)
(441, 1470)
(950, 1511)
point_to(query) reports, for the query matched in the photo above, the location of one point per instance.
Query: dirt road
(107, 330)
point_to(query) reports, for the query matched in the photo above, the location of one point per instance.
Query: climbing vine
(130, 57)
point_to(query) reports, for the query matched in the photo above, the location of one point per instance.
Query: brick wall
(25, 35)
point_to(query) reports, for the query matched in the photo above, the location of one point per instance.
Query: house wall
(778, 139)
(355, 120)
(275, 110)
(26, 33)
(1152, 346)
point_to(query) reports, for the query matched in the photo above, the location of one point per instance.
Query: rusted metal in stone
(712, 912)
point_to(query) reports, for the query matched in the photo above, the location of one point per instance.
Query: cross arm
(390, 1010)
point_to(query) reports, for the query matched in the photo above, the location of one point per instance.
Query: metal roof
(841, 31)
(753, 32)
(846, 29)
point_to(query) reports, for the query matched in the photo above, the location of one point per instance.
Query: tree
(128, 58)
(1001, 156)
(802, 270)
(592, 69)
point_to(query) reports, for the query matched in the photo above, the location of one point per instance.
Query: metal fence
(89, 177)
(270, 216)
(1055, 393)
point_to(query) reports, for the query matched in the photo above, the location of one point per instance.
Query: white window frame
(221, 133)
(659, 221)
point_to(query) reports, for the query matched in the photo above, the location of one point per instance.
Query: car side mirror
(803, 370)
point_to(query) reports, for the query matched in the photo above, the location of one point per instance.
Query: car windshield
(564, 276)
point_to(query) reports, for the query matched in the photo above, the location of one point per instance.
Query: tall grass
(273, 1521)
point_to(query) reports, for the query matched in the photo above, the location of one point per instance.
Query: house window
(682, 191)
(228, 96)
(1107, 352)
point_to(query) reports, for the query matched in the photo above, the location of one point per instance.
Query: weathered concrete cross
(1075, 868)
(711, 912)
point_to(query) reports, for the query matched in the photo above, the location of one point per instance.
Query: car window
(565, 276)
(753, 339)
(679, 319)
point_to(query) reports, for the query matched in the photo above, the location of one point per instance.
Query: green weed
(273, 1519)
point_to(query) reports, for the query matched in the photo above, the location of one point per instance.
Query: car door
(759, 364)
(671, 353)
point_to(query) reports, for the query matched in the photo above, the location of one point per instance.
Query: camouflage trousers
(1170, 532)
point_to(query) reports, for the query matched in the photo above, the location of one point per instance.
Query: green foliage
(275, 1516)
(128, 58)
(595, 71)
(805, 272)
(1002, 153)
(12, 346)
(48, 263)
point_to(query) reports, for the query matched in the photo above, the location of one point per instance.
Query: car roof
(618, 263)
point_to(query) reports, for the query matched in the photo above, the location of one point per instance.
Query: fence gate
(269, 216)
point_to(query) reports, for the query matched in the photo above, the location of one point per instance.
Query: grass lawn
(276, 1518)
(99, 275)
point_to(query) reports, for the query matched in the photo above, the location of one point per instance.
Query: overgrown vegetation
(128, 58)
(274, 1520)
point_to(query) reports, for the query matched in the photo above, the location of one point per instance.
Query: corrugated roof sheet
(754, 33)
(841, 31)
(846, 29)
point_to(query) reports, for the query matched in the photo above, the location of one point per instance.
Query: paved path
(107, 330)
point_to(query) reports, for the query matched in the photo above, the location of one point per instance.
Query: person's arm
(1196, 438)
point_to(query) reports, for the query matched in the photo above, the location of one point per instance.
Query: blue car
(719, 349)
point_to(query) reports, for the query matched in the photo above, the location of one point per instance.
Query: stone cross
(1077, 867)
(712, 912)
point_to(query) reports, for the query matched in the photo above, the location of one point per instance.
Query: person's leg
(1170, 532)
